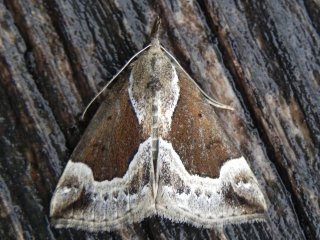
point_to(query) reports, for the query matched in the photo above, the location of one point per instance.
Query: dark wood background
(262, 57)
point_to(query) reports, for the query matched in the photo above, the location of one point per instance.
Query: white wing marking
(181, 197)
(203, 201)
(105, 205)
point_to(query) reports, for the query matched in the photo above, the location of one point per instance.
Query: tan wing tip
(63, 198)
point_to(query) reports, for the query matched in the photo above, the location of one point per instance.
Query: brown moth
(142, 150)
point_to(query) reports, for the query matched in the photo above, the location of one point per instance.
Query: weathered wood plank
(261, 57)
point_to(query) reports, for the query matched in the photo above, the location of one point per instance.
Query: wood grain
(262, 57)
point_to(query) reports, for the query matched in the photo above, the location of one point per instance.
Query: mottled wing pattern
(113, 135)
(107, 182)
(227, 190)
(205, 144)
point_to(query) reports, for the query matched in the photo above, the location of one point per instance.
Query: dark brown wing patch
(112, 137)
(196, 135)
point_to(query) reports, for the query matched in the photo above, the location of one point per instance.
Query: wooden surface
(261, 57)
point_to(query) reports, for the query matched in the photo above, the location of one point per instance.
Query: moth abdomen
(155, 137)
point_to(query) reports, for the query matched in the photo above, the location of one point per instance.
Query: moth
(155, 146)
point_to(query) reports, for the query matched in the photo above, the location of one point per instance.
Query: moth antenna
(210, 100)
(112, 79)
